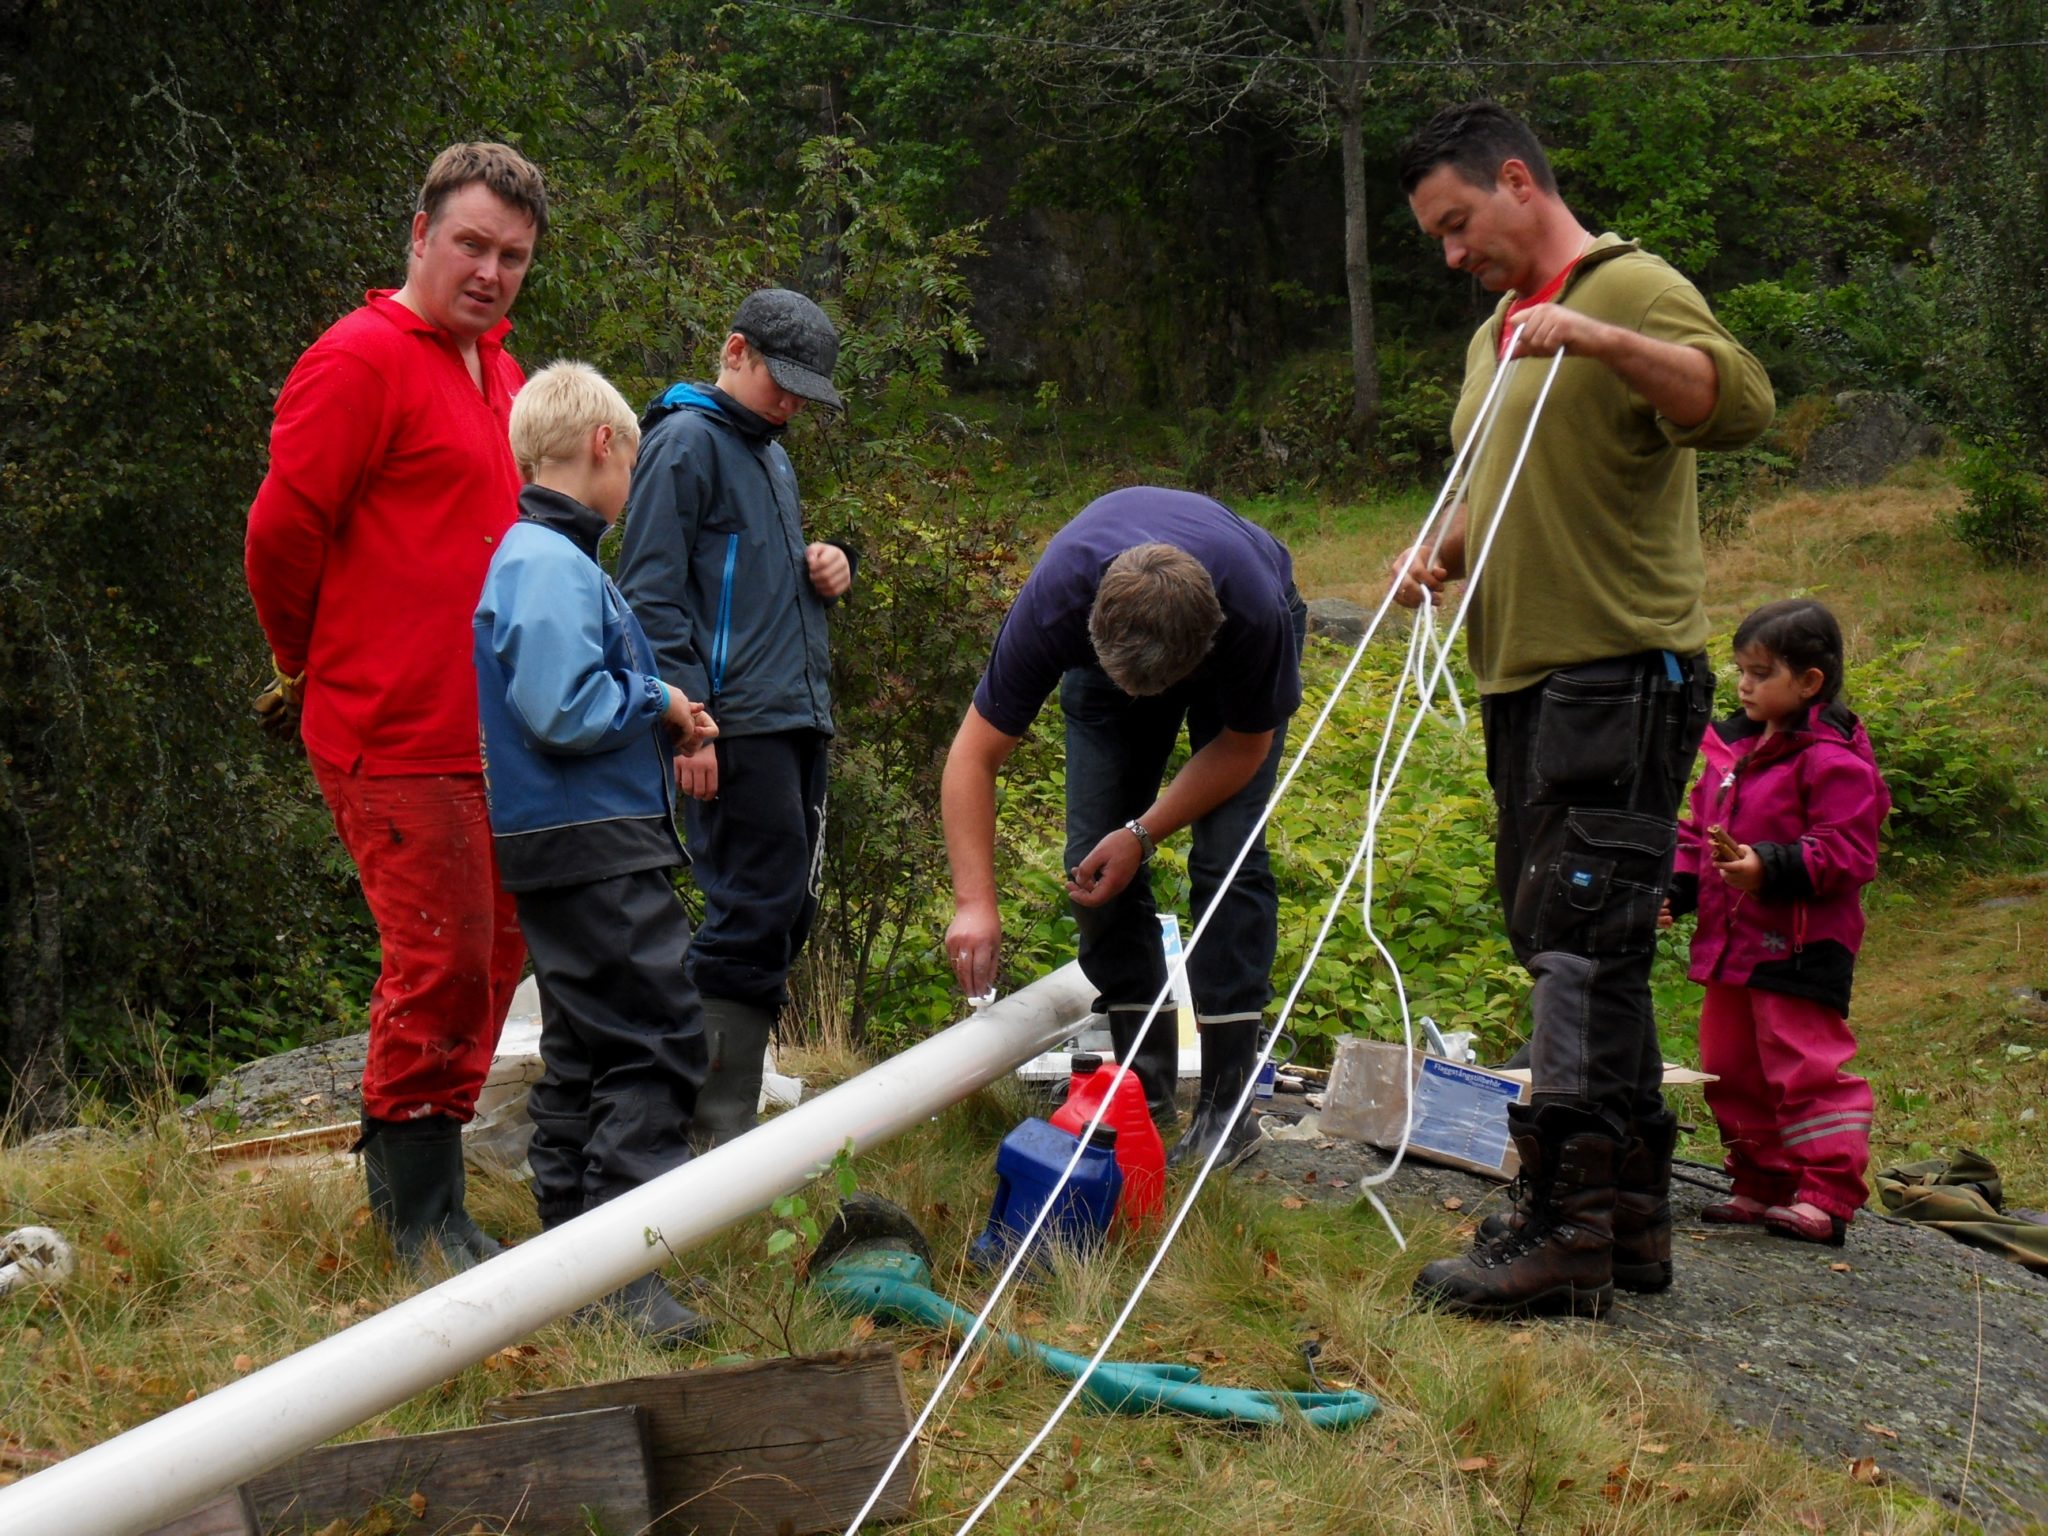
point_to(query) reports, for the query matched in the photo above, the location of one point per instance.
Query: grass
(189, 1279)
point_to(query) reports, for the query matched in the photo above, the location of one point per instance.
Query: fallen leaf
(1840, 1269)
(418, 1505)
(1309, 1177)
(1476, 1464)
(1864, 1469)
(1567, 1484)
(244, 1364)
(1292, 1203)
(1879, 1429)
(1811, 1521)
(1655, 1450)
(1678, 1495)
(1031, 1319)
(1269, 1261)
(1453, 1203)
(862, 1327)
(327, 1263)
(1337, 1183)
(1260, 1177)
(1075, 1330)
(115, 1244)
(1522, 1336)
(1070, 1482)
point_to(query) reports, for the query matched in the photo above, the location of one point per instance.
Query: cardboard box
(1461, 1112)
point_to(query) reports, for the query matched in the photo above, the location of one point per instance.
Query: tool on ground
(873, 1260)
(34, 1256)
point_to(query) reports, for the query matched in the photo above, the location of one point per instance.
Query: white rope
(1380, 792)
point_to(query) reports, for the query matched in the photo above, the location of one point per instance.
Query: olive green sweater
(1597, 554)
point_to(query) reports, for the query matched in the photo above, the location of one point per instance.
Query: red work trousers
(450, 936)
(1795, 1124)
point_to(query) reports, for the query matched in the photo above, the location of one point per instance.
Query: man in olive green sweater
(1587, 637)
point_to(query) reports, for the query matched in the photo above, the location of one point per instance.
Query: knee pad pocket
(1602, 892)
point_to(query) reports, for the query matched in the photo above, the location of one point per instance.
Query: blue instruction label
(1461, 1112)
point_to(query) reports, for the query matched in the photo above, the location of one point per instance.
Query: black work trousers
(1588, 769)
(621, 1039)
(755, 853)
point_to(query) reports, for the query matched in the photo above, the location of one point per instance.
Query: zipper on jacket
(721, 641)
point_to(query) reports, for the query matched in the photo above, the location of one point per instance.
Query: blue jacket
(576, 760)
(713, 564)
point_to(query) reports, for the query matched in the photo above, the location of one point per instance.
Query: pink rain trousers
(1794, 1121)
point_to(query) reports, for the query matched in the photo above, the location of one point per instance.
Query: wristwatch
(1145, 844)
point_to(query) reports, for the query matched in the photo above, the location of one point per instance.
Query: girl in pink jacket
(1779, 841)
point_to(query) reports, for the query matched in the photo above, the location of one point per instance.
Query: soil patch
(1925, 1356)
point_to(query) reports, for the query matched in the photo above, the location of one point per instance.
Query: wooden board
(775, 1446)
(536, 1477)
(228, 1515)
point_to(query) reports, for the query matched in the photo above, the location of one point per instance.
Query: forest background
(1069, 244)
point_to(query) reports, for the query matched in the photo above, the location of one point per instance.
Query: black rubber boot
(647, 1307)
(1158, 1064)
(415, 1177)
(728, 1105)
(1560, 1259)
(1228, 1051)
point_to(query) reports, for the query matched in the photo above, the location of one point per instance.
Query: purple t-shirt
(1252, 672)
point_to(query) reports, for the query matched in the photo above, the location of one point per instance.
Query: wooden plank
(773, 1446)
(321, 1138)
(537, 1477)
(228, 1515)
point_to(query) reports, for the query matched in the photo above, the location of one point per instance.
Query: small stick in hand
(1726, 849)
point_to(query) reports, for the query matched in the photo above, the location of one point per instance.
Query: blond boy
(579, 741)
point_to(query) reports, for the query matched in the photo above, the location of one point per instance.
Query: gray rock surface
(1339, 618)
(1872, 434)
(1943, 1345)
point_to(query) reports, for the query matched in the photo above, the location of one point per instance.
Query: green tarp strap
(1961, 1196)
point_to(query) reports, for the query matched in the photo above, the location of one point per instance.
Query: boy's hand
(697, 773)
(1744, 871)
(831, 574)
(689, 723)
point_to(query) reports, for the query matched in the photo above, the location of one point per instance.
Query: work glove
(277, 706)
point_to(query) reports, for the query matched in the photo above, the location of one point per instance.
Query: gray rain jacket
(713, 566)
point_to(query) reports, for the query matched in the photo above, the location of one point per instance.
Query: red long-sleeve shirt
(391, 481)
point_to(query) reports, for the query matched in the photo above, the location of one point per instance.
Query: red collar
(1544, 295)
(382, 300)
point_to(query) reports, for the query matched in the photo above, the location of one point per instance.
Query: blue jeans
(1117, 750)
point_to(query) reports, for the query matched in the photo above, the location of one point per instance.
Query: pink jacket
(1809, 800)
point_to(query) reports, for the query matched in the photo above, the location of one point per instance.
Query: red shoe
(1735, 1211)
(1807, 1223)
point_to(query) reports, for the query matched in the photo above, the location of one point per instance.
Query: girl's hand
(1744, 871)
(1664, 917)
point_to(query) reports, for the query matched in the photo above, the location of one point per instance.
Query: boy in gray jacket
(733, 596)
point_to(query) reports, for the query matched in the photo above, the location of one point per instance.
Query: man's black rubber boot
(647, 1307)
(1642, 1206)
(728, 1105)
(414, 1172)
(1228, 1051)
(1562, 1258)
(1158, 1064)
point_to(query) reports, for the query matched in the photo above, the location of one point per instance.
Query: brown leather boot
(1642, 1205)
(1562, 1258)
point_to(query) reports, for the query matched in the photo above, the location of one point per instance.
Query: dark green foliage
(2004, 519)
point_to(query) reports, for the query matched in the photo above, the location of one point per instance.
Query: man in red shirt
(391, 481)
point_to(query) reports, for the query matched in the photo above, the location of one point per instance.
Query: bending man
(1151, 611)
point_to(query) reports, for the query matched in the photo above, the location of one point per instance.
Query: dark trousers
(1588, 769)
(1117, 749)
(621, 1039)
(754, 853)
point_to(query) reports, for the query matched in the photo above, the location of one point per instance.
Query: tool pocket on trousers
(1606, 884)
(1589, 734)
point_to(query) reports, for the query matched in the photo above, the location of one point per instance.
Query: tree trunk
(32, 984)
(1364, 424)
